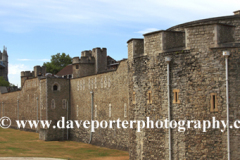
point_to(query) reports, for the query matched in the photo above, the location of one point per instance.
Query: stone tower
(4, 63)
(91, 62)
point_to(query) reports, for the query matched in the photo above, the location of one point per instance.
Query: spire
(4, 50)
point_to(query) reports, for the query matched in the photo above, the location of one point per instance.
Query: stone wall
(234, 87)
(225, 33)
(172, 39)
(110, 90)
(153, 43)
(86, 69)
(200, 38)
(22, 104)
(58, 107)
(196, 72)
(196, 75)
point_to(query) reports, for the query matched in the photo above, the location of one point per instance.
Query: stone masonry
(136, 88)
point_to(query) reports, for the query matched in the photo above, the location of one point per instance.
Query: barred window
(176, 96)
(214, 107)
(149, 97)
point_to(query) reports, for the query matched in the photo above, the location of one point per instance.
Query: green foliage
(12, 85)
(3, 82)
(58, 62)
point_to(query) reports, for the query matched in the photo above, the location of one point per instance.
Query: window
(92, 83)
(125, 110)
(134, 98)
(213, 102)
(105, 82)
(53, 104)
(109, 82)
(95, 111)
(77, 66)
(176, 96)
(64, 103)
(110, 110)
(102, 82)
(55, 87)
(77, 110)
(89, 83)
(95, 83)
(81, 85)
(149, 97)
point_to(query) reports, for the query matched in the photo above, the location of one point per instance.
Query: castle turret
(100, 59)
(39, 71)
(75, 65)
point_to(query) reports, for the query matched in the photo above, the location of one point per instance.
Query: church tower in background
(4, 63)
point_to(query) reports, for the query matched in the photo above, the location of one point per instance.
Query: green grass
(15, 143)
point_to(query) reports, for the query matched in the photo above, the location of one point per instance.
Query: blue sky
(33, 30)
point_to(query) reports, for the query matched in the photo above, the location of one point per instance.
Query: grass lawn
(15, 143)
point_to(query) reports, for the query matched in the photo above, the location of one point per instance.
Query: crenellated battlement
(37, 71)
(91, 62)
(86, 53)
(199, 37)
(75, 60)
(27, 74)
(98, 50)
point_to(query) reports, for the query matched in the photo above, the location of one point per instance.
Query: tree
(3, 82)
(58, 62)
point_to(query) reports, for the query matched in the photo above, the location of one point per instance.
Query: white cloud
(147, 30)
(42, 60)
(23, 59)
(24, 15)
(17, 68)
(15, 71)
